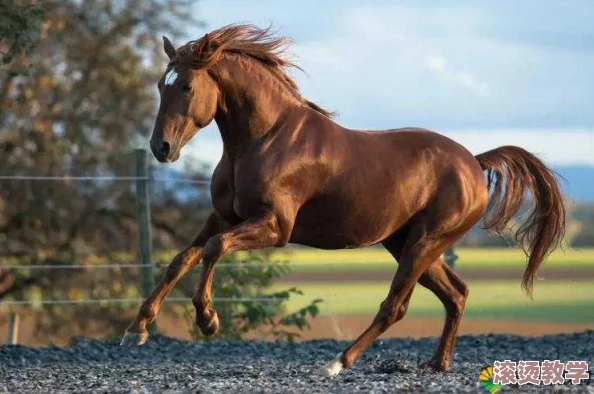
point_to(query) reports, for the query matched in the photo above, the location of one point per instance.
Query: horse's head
(189, 99)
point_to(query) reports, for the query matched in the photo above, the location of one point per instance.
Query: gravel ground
(167, 365)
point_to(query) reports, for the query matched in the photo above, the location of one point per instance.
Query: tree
(87, 98)
(20, 24)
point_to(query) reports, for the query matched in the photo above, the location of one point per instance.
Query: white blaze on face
(170, 77)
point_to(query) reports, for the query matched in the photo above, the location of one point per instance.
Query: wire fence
(225, 266)
(142, 178)
(102, 178)
(72, 178)
(133, 301)
(68, 178)
(163, 265)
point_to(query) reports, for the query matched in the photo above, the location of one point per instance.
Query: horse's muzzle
(164, 153)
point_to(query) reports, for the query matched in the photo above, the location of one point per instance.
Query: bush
(247, 279)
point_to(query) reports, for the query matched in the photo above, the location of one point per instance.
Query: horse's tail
(511, 173)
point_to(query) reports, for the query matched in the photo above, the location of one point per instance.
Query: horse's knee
(214, 249)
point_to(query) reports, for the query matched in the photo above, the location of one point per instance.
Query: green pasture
(314, 260)
(555, 301)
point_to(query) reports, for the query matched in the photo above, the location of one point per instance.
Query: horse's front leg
(137, 333)
(260, 231)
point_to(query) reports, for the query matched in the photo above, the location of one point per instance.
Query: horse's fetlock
(149, 312)
(347, 360)
(199, 303)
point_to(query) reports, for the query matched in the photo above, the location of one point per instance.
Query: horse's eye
(186, 88)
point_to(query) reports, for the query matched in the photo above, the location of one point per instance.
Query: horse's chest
(236, 205)
(230, 197)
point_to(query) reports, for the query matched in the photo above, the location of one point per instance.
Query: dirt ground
(340, 327)
(348, 327)
(343, 327)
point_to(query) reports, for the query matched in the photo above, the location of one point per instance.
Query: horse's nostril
(165, 148)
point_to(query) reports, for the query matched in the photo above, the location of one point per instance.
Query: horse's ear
(205, 46)
(168, 47)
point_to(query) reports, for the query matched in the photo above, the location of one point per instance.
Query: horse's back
(382, 180)
(413, 140)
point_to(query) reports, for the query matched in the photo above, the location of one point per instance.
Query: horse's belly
(329, 223)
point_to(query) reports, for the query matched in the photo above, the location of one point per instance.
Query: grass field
(559, 301)
(312, 260)
(497, 299)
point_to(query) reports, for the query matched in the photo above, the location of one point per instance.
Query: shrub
(248, 278)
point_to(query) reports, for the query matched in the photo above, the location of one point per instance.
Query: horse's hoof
(211, 327)
(434, 365)
(334, 367)
(132, 339)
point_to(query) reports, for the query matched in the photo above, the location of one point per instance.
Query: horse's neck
(252, 102)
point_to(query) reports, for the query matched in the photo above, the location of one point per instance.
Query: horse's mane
(248, 41)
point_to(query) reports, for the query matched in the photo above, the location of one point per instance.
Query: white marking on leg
(134, 339)
(170, 77)
(335, 366)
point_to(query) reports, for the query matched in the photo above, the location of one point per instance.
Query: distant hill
(579, 182)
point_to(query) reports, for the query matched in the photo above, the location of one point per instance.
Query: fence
(146, 280)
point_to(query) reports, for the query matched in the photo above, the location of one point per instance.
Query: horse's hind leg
(452, 292)
(419, 251)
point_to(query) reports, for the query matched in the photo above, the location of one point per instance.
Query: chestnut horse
(289, 173)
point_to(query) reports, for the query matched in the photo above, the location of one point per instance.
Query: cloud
(554, 146)
(488, 73)
(440, 66)
(462, 65)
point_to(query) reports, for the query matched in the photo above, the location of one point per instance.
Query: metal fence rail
(100, 178)
(164, 265)
(141, 180)
(223, 266)
(132, 301)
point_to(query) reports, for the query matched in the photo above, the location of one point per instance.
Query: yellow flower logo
(486, 380)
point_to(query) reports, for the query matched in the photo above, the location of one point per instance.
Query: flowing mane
(251, 42)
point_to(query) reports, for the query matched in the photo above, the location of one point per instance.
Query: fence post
(13, 328)
(450, 257)
(143, 211)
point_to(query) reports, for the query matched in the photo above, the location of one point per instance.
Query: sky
(484, 73)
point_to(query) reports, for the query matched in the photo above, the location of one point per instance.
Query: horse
(290, 174)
